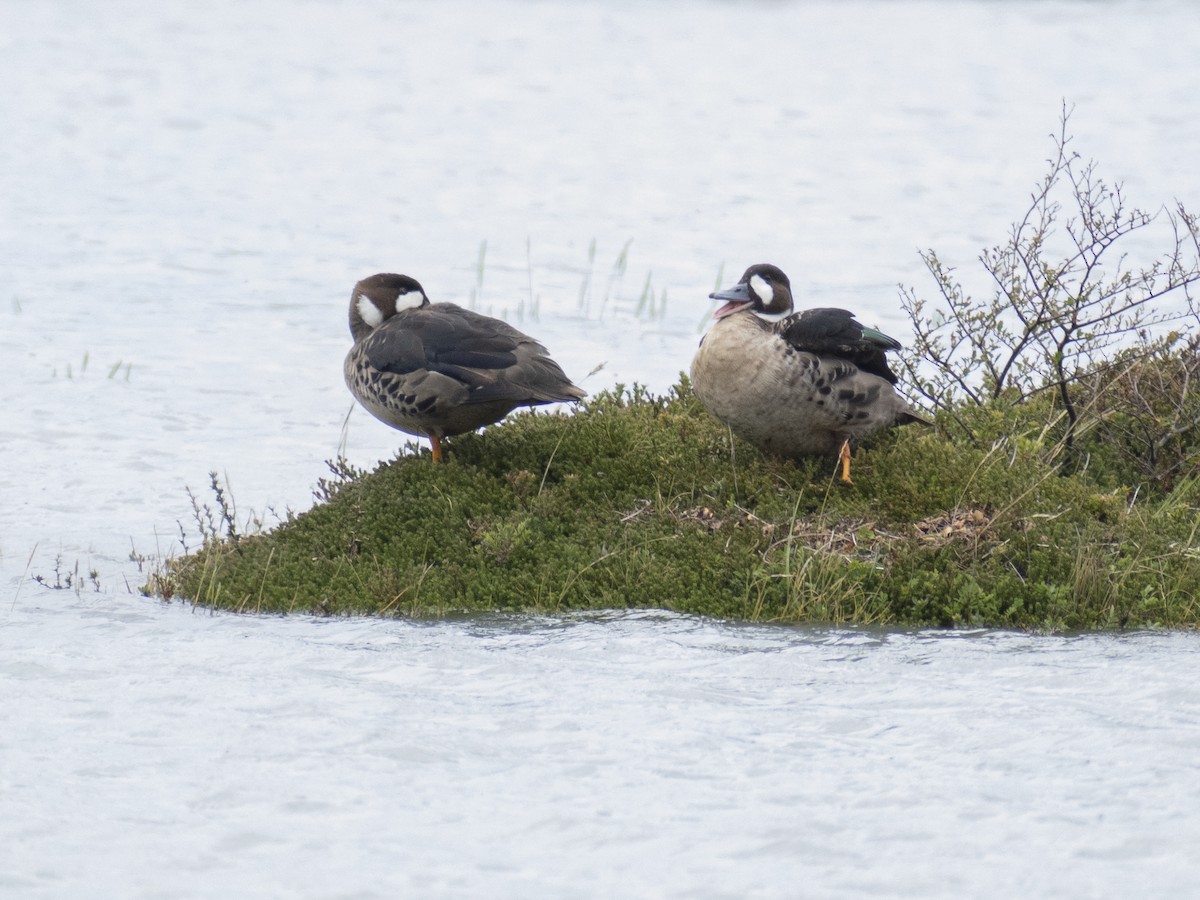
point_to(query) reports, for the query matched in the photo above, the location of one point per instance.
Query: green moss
(645, 501)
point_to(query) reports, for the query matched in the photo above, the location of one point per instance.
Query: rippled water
(158, 750)
(186, 199)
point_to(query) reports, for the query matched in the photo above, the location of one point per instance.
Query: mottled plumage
(812, 383)
(436, 369)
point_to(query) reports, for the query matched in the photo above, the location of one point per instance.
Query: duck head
(376, 299)
(763, 289)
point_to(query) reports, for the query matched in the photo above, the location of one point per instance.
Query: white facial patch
(410, 300)
(761, 289)
(368, 311)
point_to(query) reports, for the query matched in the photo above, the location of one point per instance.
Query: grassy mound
(644, 501)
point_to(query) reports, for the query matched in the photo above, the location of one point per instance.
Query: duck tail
(883, 341)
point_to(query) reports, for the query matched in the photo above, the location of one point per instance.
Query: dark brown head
(376, 299)
(763, 289)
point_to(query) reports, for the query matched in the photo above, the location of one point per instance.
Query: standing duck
(436, 369)
(812, 383)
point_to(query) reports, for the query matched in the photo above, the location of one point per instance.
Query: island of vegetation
(1059, 487)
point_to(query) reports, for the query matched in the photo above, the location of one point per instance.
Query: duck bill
(736, 298)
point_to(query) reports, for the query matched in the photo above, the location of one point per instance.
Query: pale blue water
(153, 751)
(186, 198)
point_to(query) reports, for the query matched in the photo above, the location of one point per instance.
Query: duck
(810, 383)
(436, 370)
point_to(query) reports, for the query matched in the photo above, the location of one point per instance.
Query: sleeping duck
(812, 383)
(436, 369)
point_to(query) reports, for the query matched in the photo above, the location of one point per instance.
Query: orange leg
(436, 443)
(844, 458)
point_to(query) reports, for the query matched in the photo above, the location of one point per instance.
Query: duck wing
(831, 332)
(488, 357)
(842, 394)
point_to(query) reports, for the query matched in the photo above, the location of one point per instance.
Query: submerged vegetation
(1059, 488)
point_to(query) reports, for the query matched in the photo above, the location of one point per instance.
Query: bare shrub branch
(1066, 325)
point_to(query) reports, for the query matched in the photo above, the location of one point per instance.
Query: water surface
(153, 749)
